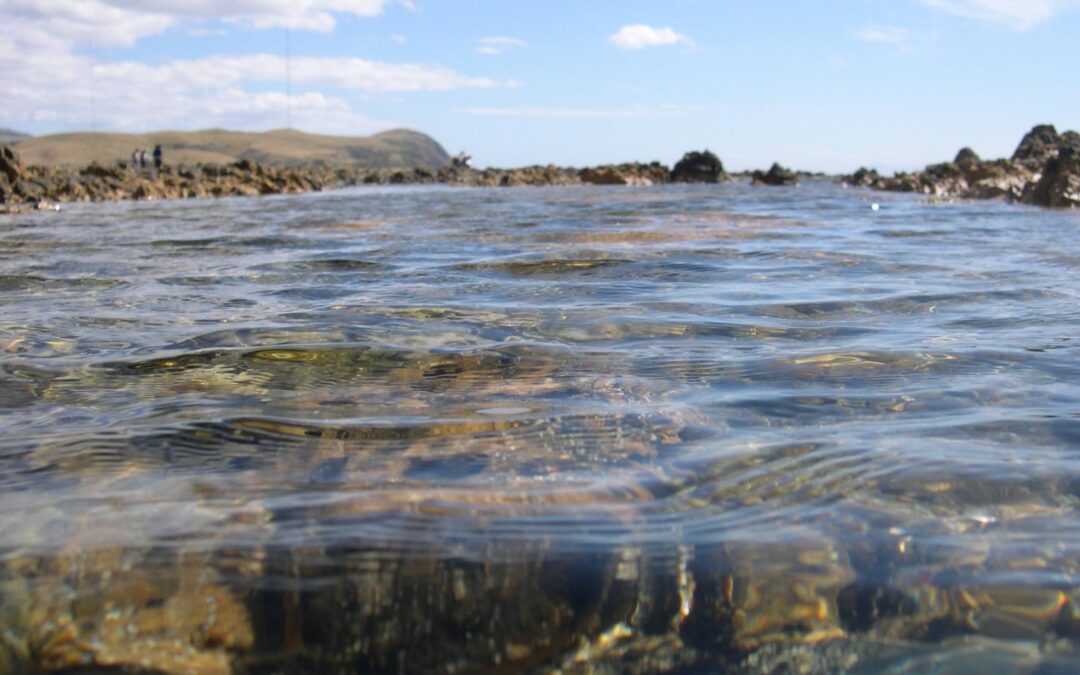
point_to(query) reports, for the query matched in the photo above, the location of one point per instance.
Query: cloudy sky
(827, 85)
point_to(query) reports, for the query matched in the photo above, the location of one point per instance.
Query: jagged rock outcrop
(698, 167)
(776, 175)
(10, 166)
(863, 177)
(1042, 171)
(1037, 146)
(1059, 184)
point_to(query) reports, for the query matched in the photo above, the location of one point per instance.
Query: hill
(282, 147)
(11, 137)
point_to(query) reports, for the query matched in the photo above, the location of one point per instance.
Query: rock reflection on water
(675, 429)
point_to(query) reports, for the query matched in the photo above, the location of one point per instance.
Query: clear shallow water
(682, 428)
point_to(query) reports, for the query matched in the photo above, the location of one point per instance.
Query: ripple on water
(676, 428)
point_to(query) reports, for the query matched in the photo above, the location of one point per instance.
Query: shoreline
(25, 188)
(1043, 171)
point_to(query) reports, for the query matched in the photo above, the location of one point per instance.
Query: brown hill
(283, 147)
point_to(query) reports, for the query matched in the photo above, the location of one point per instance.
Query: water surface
(676, 428)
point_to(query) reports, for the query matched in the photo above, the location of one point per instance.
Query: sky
(828, 85)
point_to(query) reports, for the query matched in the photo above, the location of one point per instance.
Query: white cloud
(497, 45)
(1019, 14)
(50, 75)
(884, 34)
(639, 36)
(124, 22)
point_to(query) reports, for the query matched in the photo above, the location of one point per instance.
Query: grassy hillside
(10, 136)
(283, 147)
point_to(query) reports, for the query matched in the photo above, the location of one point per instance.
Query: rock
(605, 175)
(626, 174)
(99, 171)
(1071, 139)
(1031, 176)
(1038, 145)
(966, 157)
(777, 175)
(28, 191)
(863, 177)
(10, 166)
(698, 167)
(1059, 184)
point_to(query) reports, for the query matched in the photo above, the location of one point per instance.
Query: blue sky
(828, 85)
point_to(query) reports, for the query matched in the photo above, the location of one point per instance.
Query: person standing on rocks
(134, 159)
(142, 158)
(157, 157)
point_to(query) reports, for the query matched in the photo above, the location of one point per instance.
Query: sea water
(585, 429)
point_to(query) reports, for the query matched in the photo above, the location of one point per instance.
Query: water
(697, 429)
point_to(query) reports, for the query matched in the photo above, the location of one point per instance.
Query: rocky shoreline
(25, 188)
(1043, 171)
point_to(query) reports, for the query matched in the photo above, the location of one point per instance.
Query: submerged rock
(776, 175)
(699, 167)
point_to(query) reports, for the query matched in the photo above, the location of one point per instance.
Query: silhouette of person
(157, 156)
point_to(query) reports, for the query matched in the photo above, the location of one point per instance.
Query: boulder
(863, 177)
(10, 166)
(1038, 145)
(966, 157)
(1070, 139)
(1059, 184)
(776, 175)
(698, 167)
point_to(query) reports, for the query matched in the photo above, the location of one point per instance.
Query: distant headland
(281, 147)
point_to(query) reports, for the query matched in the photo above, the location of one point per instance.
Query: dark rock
(1059, 184)
(698, 167)
(863, 177)
(1016, 179)
(966, 156)
(776, 175)
(1070, 139)
(1038, 145)
(10, 166)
